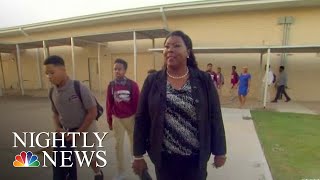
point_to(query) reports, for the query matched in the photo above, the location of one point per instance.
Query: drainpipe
(164, 18)
(284, 41)
(286, 21)
(23, 32)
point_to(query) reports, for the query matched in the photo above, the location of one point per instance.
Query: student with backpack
(213, 75)
(122, 101)
(74, 110)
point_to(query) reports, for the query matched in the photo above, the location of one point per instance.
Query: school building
(90, 44)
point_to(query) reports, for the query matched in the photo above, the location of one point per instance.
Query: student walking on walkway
(122, 100)
(213, 74)
(234, 82)
(281, 85)
(179, 121)
(244, 86)
(72, 112)
(220, 81)
(271, 77)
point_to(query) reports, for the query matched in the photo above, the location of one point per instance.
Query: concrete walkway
(281, 106)
(245, 156)
(245, 161)
(292, 107)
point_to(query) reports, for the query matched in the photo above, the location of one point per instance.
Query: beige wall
(227, 29)
(10, 71)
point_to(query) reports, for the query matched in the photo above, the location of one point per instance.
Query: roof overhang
(125, 35)
(86, 40)
(252, 49)
(191, 8)
(7, 48)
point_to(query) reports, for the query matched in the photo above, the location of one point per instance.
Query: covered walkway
(100, 40)
(262, 50)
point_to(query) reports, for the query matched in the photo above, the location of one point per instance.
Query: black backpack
(274, 78)
(78, 92)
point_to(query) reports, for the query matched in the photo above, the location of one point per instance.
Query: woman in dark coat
(179, 121)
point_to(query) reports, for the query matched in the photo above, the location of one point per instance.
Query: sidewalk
(246, 160)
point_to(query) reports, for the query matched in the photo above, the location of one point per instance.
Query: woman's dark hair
(54, 60)
(191, 61)
(121, 61)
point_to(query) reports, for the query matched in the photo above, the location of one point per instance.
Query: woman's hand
(138, 166)
(219, 161)
(110, 127)
(59, 130)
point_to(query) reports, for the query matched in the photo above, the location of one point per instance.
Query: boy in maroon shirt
(122, 102)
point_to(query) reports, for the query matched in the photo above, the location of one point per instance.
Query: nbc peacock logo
(26, 160)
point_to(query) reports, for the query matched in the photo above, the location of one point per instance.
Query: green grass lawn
(291, 143)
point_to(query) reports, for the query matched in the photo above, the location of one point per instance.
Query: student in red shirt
(122, 102)
(234, 82)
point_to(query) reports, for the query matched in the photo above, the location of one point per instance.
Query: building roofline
(196, 7)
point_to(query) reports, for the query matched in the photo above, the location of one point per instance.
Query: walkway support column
(45, 56)
(99, 68)
(39, 65)
(135, 55)
(19, 70)
(261, 70)
(267, 79)
(72, 58)
(3, 78)
(45, 49)
(261, 94)
(154, 55)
